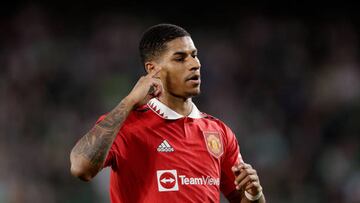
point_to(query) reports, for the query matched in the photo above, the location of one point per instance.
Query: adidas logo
(165, 147)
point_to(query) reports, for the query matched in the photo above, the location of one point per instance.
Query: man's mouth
(194, 78)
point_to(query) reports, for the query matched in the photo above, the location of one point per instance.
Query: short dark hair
(154, 39)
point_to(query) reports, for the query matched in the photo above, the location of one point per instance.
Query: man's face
(180, 68)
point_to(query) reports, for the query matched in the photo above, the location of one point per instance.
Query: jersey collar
(167, 113)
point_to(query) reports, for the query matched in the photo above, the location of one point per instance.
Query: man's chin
(187, 94)
(194, 93)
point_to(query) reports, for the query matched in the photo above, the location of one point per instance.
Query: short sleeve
(231, 157)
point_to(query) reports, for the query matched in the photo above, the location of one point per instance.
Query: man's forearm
(93, 147)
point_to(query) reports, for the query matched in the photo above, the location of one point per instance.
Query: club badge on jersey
(214, 143)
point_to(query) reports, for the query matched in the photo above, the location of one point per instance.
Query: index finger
(153, 73)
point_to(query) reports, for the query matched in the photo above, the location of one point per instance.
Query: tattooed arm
(88, 155)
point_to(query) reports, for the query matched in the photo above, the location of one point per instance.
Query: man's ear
(150, 67)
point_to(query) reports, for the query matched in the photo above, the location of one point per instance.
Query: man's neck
(180, 105)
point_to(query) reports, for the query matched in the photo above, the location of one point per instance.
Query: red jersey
(162, 156)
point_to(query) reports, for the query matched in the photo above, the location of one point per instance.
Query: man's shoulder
(140, 112)
(212, 118)
(219, 122)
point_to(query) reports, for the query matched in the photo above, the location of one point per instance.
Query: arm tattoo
(96, 143)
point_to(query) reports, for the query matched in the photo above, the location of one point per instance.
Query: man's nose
(195, 64)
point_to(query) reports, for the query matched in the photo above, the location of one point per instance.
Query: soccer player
(159, 146)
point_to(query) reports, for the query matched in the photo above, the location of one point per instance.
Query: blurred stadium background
(285, 77)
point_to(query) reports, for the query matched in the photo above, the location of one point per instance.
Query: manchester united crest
(213, 143)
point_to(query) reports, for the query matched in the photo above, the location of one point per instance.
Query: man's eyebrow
(180, 53)
(185, 53)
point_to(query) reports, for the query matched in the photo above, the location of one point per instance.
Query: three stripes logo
(165, 147)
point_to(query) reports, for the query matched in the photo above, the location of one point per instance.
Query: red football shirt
(161, 156)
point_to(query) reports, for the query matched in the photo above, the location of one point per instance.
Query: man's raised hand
(146, 88)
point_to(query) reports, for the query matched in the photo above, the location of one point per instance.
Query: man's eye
(179, 59)
(194, 55)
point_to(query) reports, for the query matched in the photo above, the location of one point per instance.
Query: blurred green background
(284, 76)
